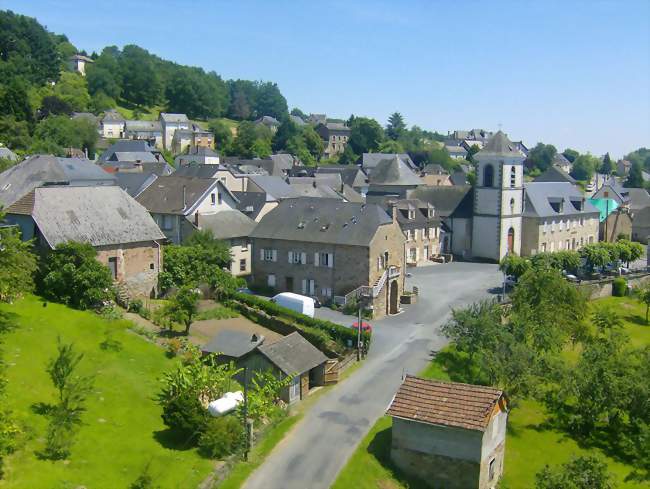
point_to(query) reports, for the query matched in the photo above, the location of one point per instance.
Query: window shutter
(312, 287)
(304, 286)
(262, 254)
(275, 255)
(303, 258)
(290, 257)
(330, 260)
(316, 260)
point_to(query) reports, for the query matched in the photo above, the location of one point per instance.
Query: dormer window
(557, 204)
(578, 204)
(430, 212)
(411, 214)
(213, 198)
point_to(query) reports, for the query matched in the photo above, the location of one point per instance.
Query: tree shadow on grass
(636, 319)
(379, 447)
(172, 440)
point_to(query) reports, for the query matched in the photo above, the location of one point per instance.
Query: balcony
(394, 272)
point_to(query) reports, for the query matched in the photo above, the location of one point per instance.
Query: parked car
(365, 327)
(295, 302)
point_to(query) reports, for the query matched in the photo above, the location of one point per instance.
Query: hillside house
(335, 137)
(125, 236)
(448, 434)
(78, 62)
(170, 123)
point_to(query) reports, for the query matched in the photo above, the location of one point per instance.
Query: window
(152, 266)
(112, 265)
(220, 198)
(591, 239)
(513, 177)
(268, 255)
(242, 265)
(326, 292)
(545, 227)
(213, 199)
(543, 247)
(488, 176)
(308, 286)
(324, 260)
(411, 214)
(244, 245)
(561, 225)
(413, 255)
(270, 280)
(167, 222)
(425, 252)
(297, 258)
(512, 206)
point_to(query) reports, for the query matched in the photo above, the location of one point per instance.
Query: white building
(498, 200)
(170, 124)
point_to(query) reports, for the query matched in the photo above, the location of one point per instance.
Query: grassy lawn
(530, 444)
(122, 429)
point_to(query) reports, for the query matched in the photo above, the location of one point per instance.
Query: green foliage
(640, 156)
(541, 156)
(104, 75)
(182, 308)
(391, 146)
(263, 392)
(195, 263)
(196, 93)
(514, 265)
(348, 157)
(580, 473)
(570, 154)
(9, 429)
(218, 312)
(72, 275)
(269, 101)
(643, 294)
(73, 90)
(440, 156)
(144, 480)
(607, 166)
(365, 135)
(14, 99)
(606, 319)
(222, 134)
(635, 177)
(252, 141)
(584, 167)
(141, 80)
(53, 105)
(221, 437)
(595, 255)
(472, 328)
(101, 102)
(395, 128)
(60, 132)
(619, 287)
(17, 264)
(27, 49)
(14, 133)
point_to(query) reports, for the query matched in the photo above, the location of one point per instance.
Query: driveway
(320, 445)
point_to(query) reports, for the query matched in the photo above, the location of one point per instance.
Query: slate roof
(500, 145)
(143, 126)
(250, 203)
(101, 216)
(351, 175)
(641, 218)
(134, 183)
(134, 156)
(612, 184)
(199, 171)
(165, 195)
(456, 150)
(233, 343)
(275, 187)
(560, 160)
(434, 169)
(371, 160)
(168, 117)
(125, 146)
(7, 154)
(639, 198)
(317, 220)
(445, 403)
(267, 120)
(40, 170)
(555, 174)
(227, 224)
(318, 190)
(293, 354)
(421, 215)
(297, 120)
(112, 116)
(451, 200)
(393, 172)
(458, 178)
(539, 196)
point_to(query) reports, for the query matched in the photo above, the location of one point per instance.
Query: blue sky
(572, 73)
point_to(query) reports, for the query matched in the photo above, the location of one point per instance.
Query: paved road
(312, 455)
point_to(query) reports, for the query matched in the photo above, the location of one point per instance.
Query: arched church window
(511, 240)
(488, 176)
(512, 206)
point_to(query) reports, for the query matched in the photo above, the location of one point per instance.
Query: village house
(290, 356)
(150, 131)
(421, 227)
(185, 140)
(78, 62)
(47, 170)
(177, 203)
(267, 121)
(371, 160)
(331, 249)
(134, 183)
(610, 188)
(233, 228)
(448, 434)
(170, 123)
(555, 174)
(391, 178)
(198, 155)
(335, 136)
(255, 204)
(456, 152)
(125, 236)
(434, 174)
(557, 217)
(112, 125)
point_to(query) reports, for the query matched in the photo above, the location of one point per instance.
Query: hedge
(317, 331)
(619, 287)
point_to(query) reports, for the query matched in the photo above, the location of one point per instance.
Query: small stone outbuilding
(448, 434)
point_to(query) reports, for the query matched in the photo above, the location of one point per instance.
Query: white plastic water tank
(226, 404)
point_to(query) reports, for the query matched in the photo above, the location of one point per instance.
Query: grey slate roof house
(231, 345)
(391, 177)
(274, 187)
(271, 122)
(125, 236)
(335, 136)
(177, 203)
(130, 151)
(199, 155)
(555, 174)
(422, 228)
(612, 189)
(371, 160)
(198, 171)
(134, 183)
(328, 248)
(40, 170)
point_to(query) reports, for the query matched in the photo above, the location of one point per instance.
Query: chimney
(392, 206)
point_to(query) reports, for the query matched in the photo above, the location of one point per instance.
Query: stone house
(448, 434)
(125, 236)
(112, 125)
(421, 227)
(255, 204)
(150, 131)
(457, 152)
(557, 217)
(335, 136)
(170, 123)
(78, 62)
(268, 121)
(177, 203)
(610, 188)
(331, 249)
(391, 178)
(555, 174)
(435, 175)
(232, 227)
(199, 155)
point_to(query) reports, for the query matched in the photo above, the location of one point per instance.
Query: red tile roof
(445, 403)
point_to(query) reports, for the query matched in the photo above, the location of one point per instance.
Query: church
(485, 221)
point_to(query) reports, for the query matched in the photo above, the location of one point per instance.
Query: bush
(145, 313)
(262, 289)
(173, 347)
(135, 306)
(185, 415)
(619, 287)
(221, 437)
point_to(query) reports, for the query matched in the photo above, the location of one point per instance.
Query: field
(530, 443)
(122, 430)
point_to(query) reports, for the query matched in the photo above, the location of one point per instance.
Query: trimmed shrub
(185, 415)
(619, 287)
(221, 437)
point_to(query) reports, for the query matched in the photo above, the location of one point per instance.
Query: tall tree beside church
(607, 166)
(396, 126)
(635, 177)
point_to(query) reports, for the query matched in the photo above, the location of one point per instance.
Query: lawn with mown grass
(531, 443)
(122, 431)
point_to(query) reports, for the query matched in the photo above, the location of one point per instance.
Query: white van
(295, 302)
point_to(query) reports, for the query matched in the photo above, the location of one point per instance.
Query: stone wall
(137, 266)
(598, 289)
(436, 470)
